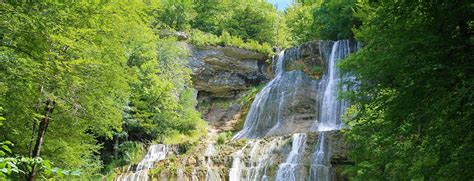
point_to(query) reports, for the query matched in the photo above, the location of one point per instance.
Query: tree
(334, 20)
(65, 67)
(413, 106)
(211, 16)
(299, 20)
(175, 14)
(253, 21)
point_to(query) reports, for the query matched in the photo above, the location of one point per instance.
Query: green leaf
(6, 148)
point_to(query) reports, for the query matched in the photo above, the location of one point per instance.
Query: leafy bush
(223, 137)
(18, 167)
(200, 38)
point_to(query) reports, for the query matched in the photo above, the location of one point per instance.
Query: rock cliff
(221, 75)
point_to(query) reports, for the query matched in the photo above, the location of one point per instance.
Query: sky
(281, 4)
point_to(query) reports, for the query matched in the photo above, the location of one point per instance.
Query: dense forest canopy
(85, 86)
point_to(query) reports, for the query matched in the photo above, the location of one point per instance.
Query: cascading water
(269, 105)
(254, 166)
(235, 170)
(155, 154)
(288, 171)
(256, 112)
(320, 166)
(284, 105)
(331, 107)
(331, 111)
(211, 174)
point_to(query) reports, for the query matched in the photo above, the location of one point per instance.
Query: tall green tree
(413, 106)
(68, 71)
(334, 20)
(64, 76)
(253, 21)
(299, 20)
(211, 16)
(175, 14)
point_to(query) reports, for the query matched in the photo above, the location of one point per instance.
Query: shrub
(224, 137)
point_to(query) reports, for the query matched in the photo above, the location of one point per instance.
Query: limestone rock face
(226, 71)
(221, 75)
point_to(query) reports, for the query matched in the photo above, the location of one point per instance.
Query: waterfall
(155, 154)
(331, 111)
(288, 171)
(210, 150)
(291, 125)
(264, 97)
(332, 108)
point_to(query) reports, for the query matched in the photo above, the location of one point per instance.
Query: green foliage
(412, 113)
(50, 53)
(174, 14)
(17, 167)
(321, 19)
(211, 16)
(105, 71)
(223, 137)
(200, 38)
(247, 20)
(252, 21)
(334, 20)
(299, 20)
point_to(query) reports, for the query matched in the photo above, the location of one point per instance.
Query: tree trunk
(40, 138)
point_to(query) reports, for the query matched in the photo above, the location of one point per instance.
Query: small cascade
(212, 174)
(155, 154)
(235, 170)
(194, 175)
(320, 166)
(288, 171)
(258, 158)
(210, 150)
